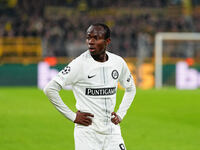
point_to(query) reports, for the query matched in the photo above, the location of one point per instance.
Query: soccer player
(94, 77)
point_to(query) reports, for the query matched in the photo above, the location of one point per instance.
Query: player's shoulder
(82, 57)
(115, 57)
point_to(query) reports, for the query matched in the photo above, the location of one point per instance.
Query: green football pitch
(165, 119)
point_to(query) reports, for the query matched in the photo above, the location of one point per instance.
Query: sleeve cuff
(73, 117)
(120, 116)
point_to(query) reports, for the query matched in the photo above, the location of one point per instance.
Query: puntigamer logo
(100, 91)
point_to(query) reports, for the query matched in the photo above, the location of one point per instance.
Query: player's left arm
(126, 80)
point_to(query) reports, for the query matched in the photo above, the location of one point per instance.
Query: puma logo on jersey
(91, 76)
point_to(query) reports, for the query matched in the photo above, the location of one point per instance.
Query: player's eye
(96, 38)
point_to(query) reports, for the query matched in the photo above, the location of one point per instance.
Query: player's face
(95, 40)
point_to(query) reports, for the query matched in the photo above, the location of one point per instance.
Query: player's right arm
(68, 76)
(52, 92)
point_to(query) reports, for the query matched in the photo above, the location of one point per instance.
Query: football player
(94, 77)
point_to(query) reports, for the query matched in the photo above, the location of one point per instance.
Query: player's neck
(100, 58)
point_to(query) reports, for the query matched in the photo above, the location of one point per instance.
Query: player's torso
(99, 76)
(95, 91)
(97, 82)
(98, 79)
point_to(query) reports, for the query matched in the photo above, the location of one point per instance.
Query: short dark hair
(106, 28)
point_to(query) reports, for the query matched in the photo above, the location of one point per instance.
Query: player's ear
(108, 40)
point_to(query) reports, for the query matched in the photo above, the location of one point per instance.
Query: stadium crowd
(63, 34)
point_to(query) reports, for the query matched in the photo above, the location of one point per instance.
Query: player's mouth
(92, 49)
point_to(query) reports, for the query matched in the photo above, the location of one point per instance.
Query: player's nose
(91, 41)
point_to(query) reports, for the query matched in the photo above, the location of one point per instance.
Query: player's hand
(115, 119)
(83, 118)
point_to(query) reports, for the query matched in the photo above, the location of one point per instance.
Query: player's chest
(101, 75)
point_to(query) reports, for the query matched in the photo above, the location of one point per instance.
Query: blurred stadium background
(38, 38)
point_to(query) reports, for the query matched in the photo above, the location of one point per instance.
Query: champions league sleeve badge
(115, 74)
(66, 70)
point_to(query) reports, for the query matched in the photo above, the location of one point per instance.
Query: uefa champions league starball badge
(66, 70)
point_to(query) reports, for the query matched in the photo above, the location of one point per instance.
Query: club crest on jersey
(115, 74)
(66, 70)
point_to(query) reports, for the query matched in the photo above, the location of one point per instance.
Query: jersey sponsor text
(100, 91)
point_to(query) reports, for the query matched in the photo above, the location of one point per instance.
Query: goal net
(177, 60)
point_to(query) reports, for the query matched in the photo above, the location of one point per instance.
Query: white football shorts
(89, 139)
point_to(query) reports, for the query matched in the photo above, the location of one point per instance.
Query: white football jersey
(95, 84)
